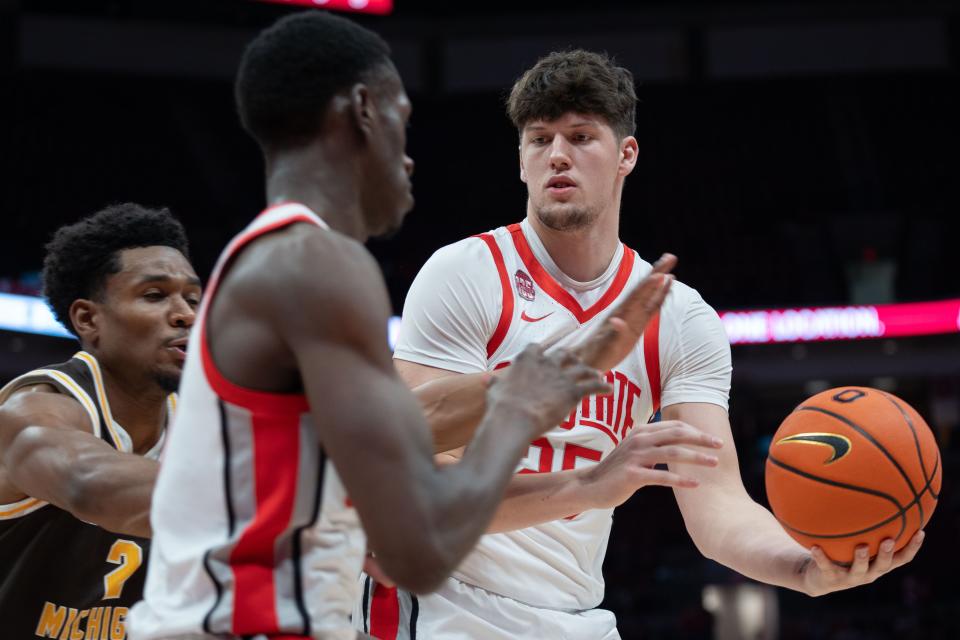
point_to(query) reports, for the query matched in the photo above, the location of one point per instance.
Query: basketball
(851, 466)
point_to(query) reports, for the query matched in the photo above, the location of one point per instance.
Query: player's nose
(183, 314)
(408, 166)
(559, 154)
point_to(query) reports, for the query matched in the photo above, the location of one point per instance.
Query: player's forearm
(421, 538)
(532, 499)
(454, 406)
(745, 537)
(85, 477)
(477, 484)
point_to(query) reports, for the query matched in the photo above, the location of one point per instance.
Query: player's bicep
(695, 353)
(42, 436)
(371, 426)
(414, 374)
(717, 484)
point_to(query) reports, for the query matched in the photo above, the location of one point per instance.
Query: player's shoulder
(468, 262)
(467, 252)
(304, 258)
(682, 301)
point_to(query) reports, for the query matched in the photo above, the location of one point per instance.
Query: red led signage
(381, 7)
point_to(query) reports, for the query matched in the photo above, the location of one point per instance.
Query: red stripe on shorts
(384, 613)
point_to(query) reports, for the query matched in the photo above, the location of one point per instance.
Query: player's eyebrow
(574, 125)
(162, 277)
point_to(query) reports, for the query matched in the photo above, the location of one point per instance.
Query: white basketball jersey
(252, 529)
(556, 564)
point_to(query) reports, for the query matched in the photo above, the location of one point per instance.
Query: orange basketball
(853, 466)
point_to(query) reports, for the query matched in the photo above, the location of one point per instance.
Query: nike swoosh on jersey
(524, 316)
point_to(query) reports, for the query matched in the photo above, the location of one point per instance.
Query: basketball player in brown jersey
(79, 440)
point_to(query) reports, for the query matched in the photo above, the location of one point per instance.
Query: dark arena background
(795, 155)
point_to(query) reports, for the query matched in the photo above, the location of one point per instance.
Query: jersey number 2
(129, 556)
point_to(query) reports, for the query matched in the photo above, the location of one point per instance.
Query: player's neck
(583, 254)
(140, 408)
(328, 188)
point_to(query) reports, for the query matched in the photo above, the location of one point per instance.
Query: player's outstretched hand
(612, 341)
(823, 575)
(544, 386)
(631, 465)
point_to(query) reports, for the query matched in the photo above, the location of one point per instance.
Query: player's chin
(168, 377)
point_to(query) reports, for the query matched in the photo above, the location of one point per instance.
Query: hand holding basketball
(854, 475)
(823, 575)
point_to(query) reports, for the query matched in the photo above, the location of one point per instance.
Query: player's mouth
(561, 185)
(178, 348)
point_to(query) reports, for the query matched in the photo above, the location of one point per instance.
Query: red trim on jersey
(384, 613)
(252, 399)
(546, 282)
(601, 427)
(651, 358)
(506, 313)
(275, 438)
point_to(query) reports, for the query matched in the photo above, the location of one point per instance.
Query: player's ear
(85, 317)
(523, 171)
(629, 149)
(362, 107)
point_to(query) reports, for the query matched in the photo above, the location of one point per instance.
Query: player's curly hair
(576, 81)
(82, 255)
(291, 70)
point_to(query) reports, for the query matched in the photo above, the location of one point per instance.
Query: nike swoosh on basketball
(839, 444)
(524, 316)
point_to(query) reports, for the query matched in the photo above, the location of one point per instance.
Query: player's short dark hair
(575, 81)
(82, 255)
(290, 72)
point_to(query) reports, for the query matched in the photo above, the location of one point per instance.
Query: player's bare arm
(532, 499)
(325, 299)
(729, 527)
(454, 404)
(48, 452)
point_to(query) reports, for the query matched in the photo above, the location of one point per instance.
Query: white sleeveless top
(253, 532)
(476, 304)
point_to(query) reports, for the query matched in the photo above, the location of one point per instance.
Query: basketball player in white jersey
(562, 270)
(294, 427)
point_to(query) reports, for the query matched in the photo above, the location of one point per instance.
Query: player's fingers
(663, 478)
(592, 387)
(683, 434)
(532, 351)
(678, 454)
(637, 299)
(665, 264)
(907, 554)
(562, 332)
(861, 561)
(563, 357)
(825, 564)
(884, 560)
(580, 371)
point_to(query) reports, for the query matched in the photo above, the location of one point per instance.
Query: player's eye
(154, 294)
